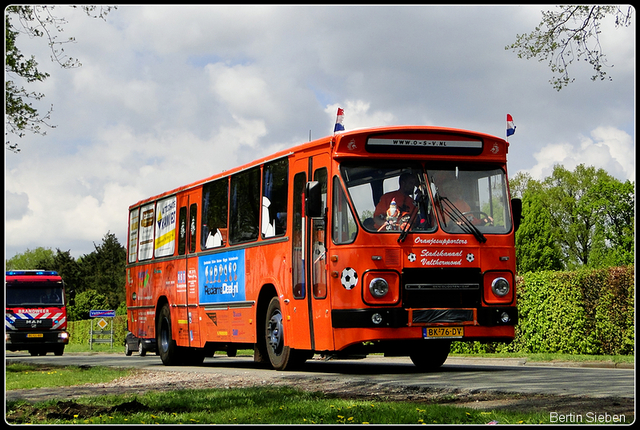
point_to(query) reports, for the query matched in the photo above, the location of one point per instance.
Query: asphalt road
(487, 375)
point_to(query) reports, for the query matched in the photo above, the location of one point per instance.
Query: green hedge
(79, 330)
(584, 312)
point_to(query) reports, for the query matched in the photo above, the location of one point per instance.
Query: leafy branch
(34, 21)
(568, 35)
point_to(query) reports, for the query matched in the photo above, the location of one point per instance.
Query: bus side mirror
(313, 200)
(516, 207)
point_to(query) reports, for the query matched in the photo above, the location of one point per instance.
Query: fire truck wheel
(58, 350)
(430, 355)
(280, 355)
(167, 347)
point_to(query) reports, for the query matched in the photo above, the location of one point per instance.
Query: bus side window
(274, 199)
(297, 262)
(193, 215)
(215, 202)
(182, 230)
(245, 206)
(344, 227)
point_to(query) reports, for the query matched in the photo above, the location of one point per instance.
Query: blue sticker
(222, 277)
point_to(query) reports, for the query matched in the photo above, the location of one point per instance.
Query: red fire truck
(36, 316)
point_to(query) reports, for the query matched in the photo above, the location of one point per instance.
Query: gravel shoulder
(143, 381)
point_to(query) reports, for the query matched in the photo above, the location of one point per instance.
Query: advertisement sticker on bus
(145, 233)
(133, 235)
(222, 277)
(166, 227)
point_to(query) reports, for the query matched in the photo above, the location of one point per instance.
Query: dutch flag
(339, 126)
(511, 128)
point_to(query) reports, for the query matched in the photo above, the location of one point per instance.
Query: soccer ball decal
(412, 257)
(349, 278)
(470, 258)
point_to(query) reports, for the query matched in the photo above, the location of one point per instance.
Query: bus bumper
(399, 317)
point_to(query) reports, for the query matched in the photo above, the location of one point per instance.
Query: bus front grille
(441, 288)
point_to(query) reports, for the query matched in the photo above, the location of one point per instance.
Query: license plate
(35, 335)
(442, 332)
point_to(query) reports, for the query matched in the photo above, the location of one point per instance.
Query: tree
(570, 34)
(536, 249)
(34, 21)
(85, 302)
(70, 271)
(36, 259)
(571, 201)
(104, 270)
(616, 201)
(575, 219)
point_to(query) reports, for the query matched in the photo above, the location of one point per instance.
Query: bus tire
(430, 355)
(167, 348)
(280, 355)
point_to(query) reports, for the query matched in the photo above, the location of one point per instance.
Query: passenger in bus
(383, 217)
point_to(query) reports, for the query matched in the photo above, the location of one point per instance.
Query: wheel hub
(274, 332)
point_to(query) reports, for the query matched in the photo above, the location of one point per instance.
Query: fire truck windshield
(34, 294)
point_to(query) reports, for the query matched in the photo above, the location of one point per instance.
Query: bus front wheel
(430, 355)
(281, 356)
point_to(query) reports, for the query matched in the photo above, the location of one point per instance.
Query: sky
(168, 95)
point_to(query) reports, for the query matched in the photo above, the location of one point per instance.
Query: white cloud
(243, 90)
(608, 148)
(357, 114)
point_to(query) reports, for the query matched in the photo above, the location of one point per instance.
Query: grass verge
(25, 376)
(258, 405)
(554, 357)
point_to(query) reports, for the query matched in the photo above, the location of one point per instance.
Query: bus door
(186, 331)
(319, 294)
(299, 328)
(311, 316)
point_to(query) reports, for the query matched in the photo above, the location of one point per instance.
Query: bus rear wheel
(167, 348)
(281, 356)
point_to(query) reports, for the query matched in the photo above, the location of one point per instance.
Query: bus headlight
(378, 287)
(500, 287)
(381, 287)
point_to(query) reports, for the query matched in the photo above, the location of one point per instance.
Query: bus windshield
(409, 197)
(471, 197)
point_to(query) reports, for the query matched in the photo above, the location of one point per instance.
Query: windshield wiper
(454, 213)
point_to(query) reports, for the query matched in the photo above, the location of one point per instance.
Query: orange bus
(393, 239)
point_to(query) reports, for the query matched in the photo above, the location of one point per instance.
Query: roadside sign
(101, 314)
(96, 335)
